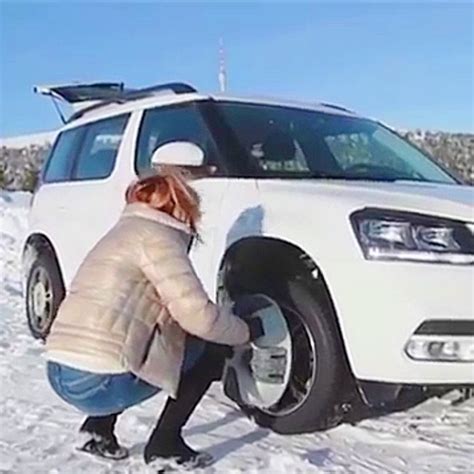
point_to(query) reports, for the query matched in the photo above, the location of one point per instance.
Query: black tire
(324, 390)
(45, 264)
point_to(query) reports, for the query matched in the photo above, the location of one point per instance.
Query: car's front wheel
(44, 293)
(317, 364)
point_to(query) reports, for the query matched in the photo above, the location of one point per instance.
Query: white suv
(365, 243)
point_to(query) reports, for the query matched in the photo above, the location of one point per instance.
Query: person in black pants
(166, 441)
(137, 320)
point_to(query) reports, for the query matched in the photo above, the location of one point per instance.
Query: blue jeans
(106, 394)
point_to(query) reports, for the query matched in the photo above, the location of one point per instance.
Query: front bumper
(381, 304)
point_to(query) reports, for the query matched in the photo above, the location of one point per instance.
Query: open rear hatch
(76, 93)
(83, 97)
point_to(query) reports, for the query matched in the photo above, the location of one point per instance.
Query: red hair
(170, 193)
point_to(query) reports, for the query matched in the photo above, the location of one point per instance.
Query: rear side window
(99, 148)
(62, 157)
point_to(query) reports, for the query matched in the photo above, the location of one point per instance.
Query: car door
(184, 122)
(82, 194)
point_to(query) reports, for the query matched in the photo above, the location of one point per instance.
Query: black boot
(102, 441)
(169, 447)
(166, 442)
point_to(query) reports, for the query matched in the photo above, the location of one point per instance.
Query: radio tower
(222, 72)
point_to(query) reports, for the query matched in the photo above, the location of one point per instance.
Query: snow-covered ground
(38, 431)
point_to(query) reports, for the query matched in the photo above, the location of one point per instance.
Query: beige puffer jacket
(134, 299)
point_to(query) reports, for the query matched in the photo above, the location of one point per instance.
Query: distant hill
(454, 150)
(21, 157)
(22, 141)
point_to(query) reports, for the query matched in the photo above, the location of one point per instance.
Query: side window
(58, 167)
(164, 125)
(99, 149)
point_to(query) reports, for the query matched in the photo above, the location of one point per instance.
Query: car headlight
(397, 235)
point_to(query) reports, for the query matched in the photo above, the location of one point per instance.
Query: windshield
(297, 143)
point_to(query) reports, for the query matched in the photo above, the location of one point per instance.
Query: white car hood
(454, 201)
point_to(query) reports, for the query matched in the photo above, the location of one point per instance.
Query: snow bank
(38, 431)
(14, 208)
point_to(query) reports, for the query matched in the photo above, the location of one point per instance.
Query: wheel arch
(34, 244)
(39, 252)
(256, 257)
(252, 251)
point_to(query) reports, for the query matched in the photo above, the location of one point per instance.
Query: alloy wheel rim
(40, 299)
(304, 366)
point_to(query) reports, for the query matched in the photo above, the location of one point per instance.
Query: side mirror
(178, 154)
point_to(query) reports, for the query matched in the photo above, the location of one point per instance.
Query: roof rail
(336, 107)
(135, 94)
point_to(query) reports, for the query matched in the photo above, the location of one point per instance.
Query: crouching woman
(135, 322)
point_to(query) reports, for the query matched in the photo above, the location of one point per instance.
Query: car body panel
(380, 305)
(314, 216)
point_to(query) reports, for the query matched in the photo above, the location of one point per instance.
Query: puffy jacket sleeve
(167, 266)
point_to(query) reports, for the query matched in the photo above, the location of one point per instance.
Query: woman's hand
(247, 306)
(255, 328)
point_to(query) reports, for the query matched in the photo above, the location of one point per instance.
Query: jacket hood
(140, 209)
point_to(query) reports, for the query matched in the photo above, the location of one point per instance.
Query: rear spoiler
(80, 96)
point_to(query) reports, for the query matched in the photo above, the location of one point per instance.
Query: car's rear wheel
(44, 293)
(317, 373)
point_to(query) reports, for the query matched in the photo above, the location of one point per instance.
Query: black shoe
(231, 387)
(101, 440)
(171, 465)
(170, 452)
(105, 447)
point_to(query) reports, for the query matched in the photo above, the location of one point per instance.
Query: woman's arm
(168, 267)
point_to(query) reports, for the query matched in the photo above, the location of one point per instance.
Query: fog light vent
(446, 327)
